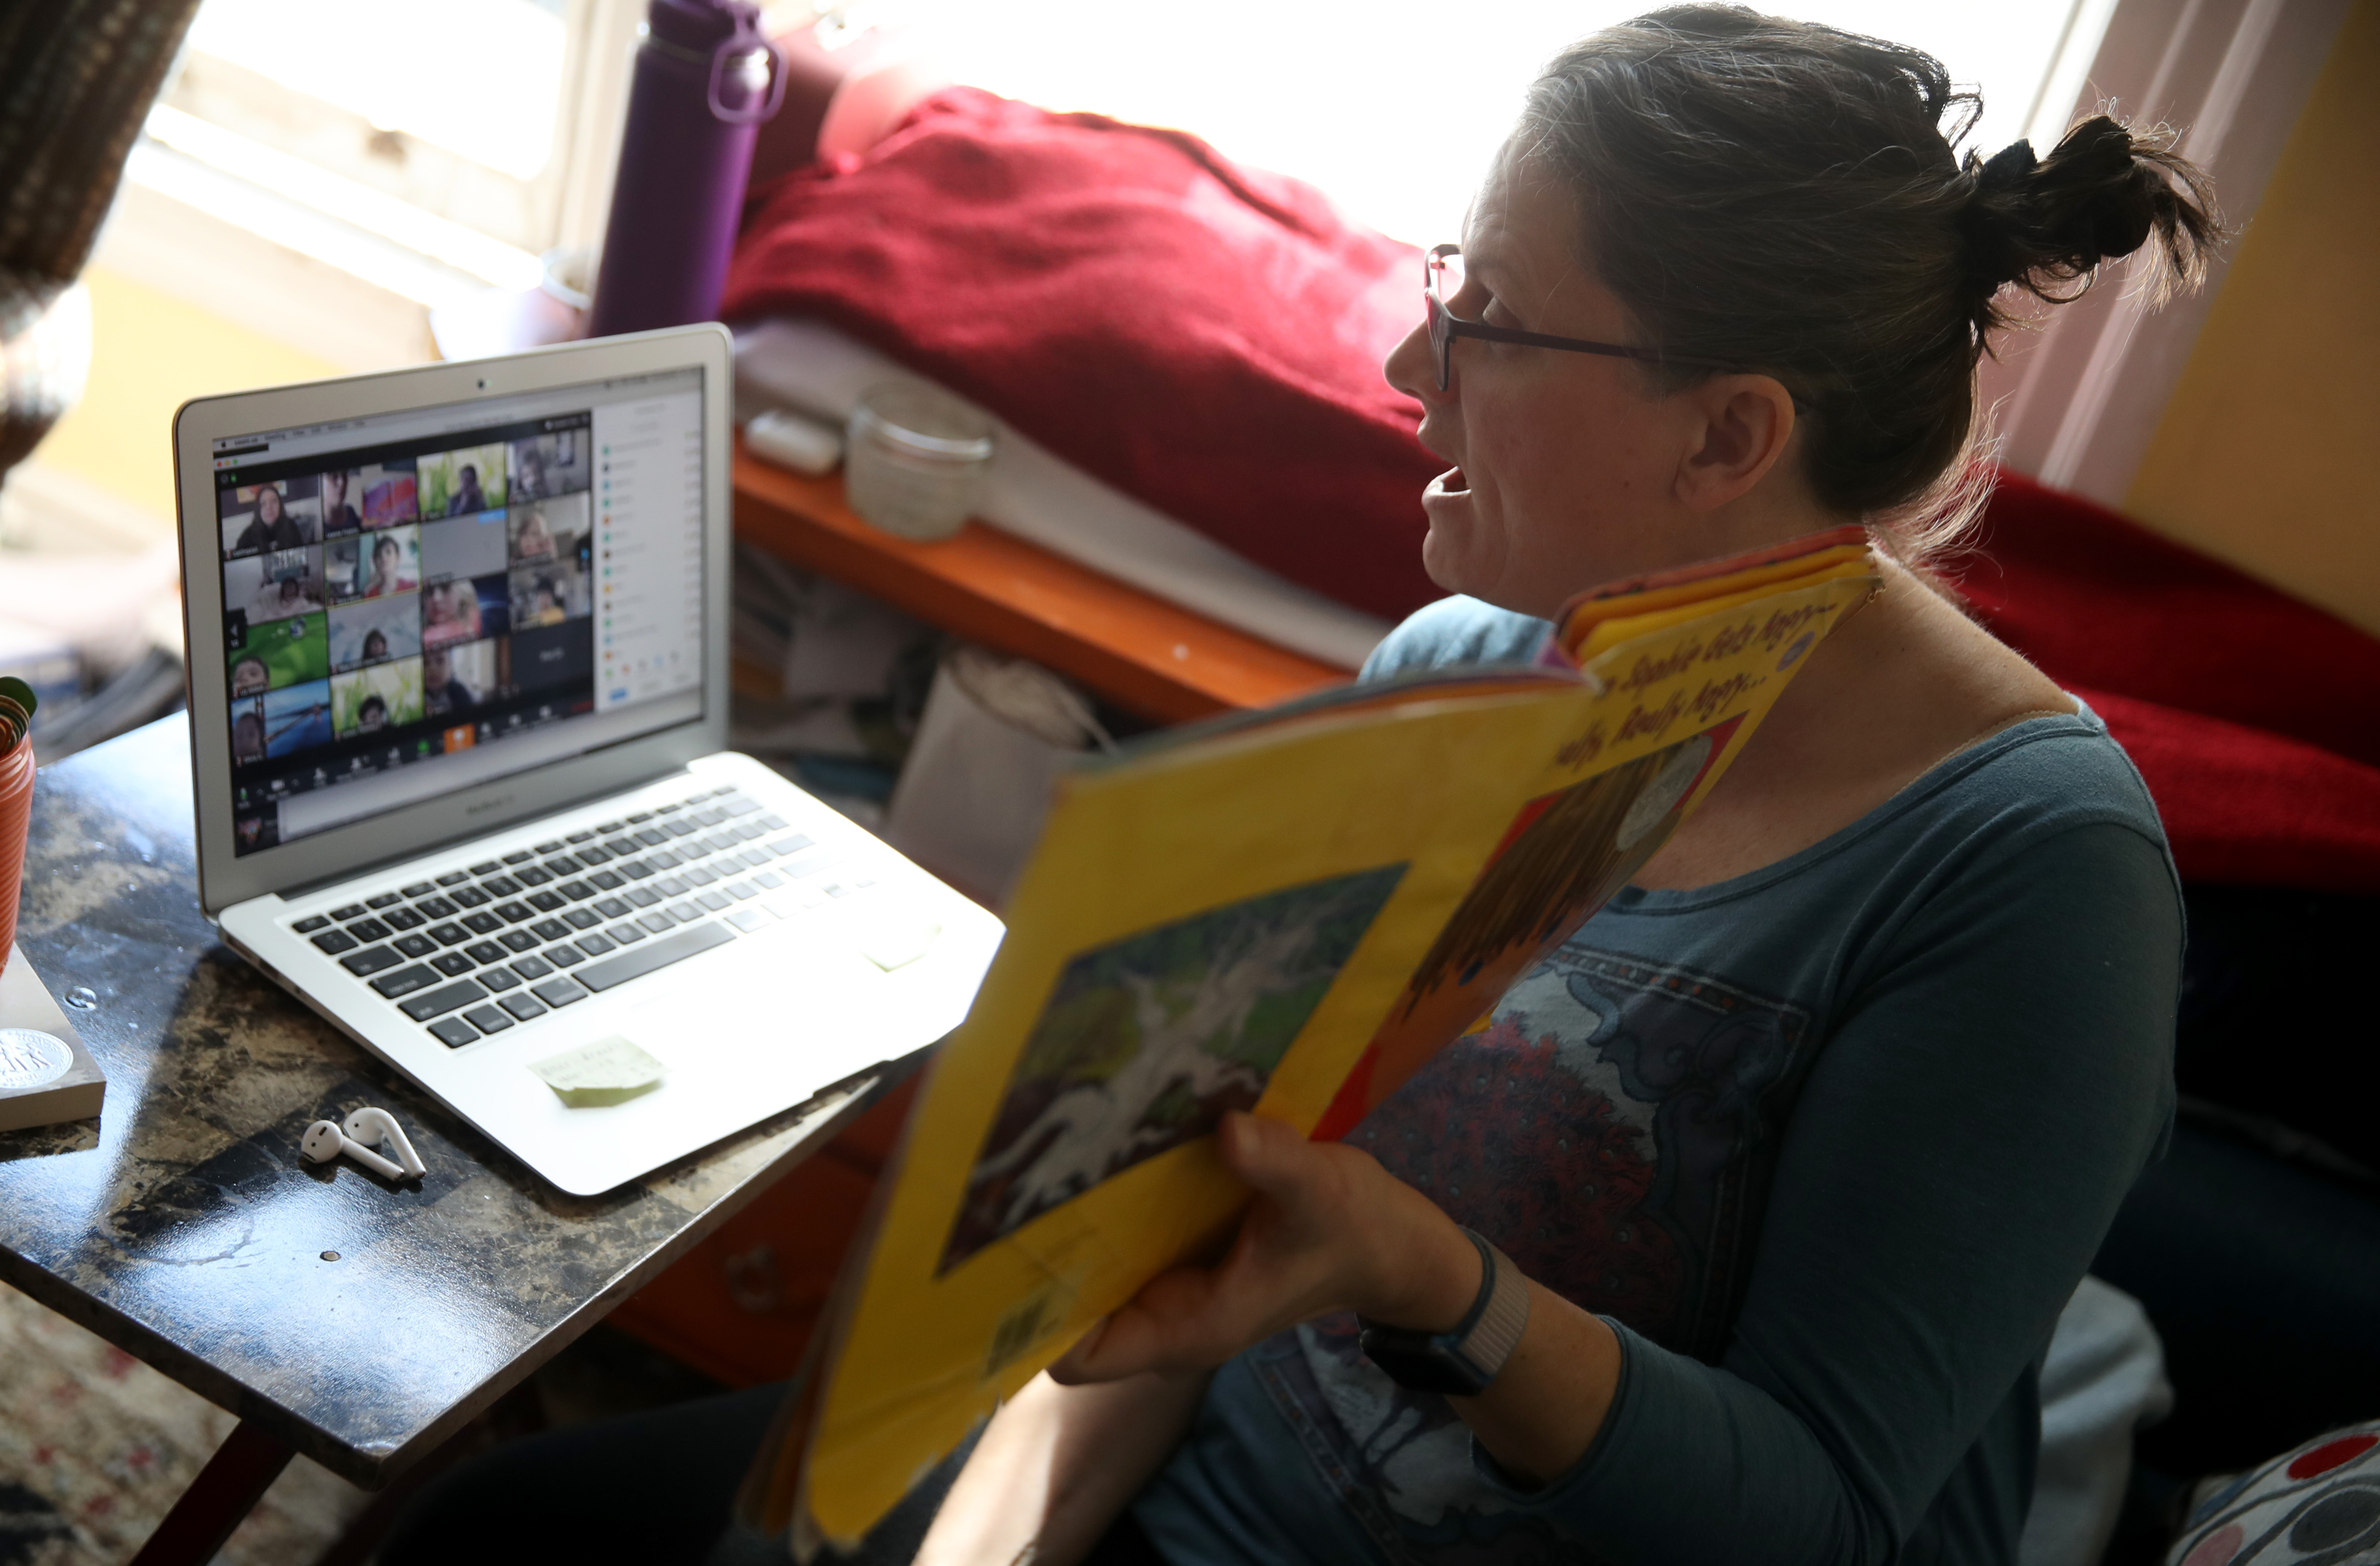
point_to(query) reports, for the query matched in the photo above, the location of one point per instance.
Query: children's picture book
(1286, 912)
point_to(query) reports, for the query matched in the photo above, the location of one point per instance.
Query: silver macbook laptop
(458, 711)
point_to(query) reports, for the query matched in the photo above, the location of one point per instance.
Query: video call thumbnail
(455, 483)
(274, 586)
(549, 528)
(466, 610)
(548, 594)
(383, 696)
(546, 466)
(390, 491)
(374, 630)
(456, 679)
(284, 514)
(373, 564)
(278, 654)
(281, 723)
(471, 545)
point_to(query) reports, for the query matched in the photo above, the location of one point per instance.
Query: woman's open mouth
(1451, 482)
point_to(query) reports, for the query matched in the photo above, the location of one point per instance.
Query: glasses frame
(1445, 326)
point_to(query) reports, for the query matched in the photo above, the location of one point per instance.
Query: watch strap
(1466, 1360)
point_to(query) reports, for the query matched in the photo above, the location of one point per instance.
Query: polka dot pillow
(2316, 1506)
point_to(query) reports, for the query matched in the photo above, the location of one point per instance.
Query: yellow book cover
(1288, 913)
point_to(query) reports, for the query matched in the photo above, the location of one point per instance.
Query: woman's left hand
(1329, 1229)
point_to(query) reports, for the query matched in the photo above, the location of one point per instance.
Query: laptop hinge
(357, 872)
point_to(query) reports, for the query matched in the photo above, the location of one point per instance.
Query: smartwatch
(1460, 1363)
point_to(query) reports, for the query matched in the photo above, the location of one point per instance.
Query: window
(434, 147)
(1394, 107)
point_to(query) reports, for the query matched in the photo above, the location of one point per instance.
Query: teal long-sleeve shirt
(1829, 1144)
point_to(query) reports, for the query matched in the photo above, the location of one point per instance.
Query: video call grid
(378, 594)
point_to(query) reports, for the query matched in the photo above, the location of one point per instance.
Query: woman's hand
(1330, 1230)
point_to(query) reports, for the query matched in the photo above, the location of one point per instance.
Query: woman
(440, 624)
(1799, 1146)
(545, 604)
(338, 516)
(388, 569)
(467, 497)
(535, 539)
(272, 528)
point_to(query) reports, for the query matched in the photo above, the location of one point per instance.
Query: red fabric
(1209, 338)
(1204, 338)
(2254, 718)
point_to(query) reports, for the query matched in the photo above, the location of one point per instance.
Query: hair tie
(2006, 168)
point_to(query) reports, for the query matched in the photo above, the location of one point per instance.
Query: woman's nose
(1411, 367)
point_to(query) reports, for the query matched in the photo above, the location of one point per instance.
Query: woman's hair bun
(2105, 191)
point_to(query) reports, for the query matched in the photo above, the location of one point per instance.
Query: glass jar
(915, 460)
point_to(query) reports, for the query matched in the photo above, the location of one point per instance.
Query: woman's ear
(1741, 426)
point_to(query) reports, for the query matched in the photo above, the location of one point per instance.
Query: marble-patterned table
(357, 1321)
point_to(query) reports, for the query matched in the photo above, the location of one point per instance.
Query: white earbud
(377, 1128)
(324, 1141)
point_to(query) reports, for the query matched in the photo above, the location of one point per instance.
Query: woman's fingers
(1324, 1218)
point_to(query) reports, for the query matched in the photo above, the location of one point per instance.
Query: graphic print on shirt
(1612, 1130)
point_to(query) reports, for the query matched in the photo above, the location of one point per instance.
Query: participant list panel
(647, 549)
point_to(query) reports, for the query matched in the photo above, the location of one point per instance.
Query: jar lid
(925, 421)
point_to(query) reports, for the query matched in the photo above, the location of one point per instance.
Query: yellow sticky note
(610, 1071)
(895, 941)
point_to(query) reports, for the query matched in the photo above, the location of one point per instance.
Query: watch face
(1421, 1363)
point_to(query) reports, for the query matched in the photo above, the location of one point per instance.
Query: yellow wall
(151, 352)
(2268, 456)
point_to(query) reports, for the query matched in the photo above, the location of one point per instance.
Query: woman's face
(1564, 463)
(385, 556)
(268, 506)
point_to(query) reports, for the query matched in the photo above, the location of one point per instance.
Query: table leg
(227, 1490)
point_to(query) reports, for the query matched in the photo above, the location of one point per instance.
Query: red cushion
(1204, 338)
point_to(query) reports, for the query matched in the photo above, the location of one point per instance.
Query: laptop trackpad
(753, 1019)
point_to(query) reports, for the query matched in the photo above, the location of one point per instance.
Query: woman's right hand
(1057, 1467)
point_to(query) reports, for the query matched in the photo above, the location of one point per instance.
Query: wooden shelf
(1139, 651)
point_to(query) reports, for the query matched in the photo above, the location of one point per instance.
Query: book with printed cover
(1286, 912)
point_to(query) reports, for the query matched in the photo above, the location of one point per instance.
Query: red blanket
(1207, 338)
(2255, 718)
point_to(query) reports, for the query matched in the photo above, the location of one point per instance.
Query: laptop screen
(429, 599)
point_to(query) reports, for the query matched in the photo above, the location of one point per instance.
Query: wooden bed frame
(1151, 657)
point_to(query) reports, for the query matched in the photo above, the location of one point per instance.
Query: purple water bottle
(705, 79)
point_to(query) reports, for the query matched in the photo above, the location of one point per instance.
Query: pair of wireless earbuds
(366, 1129)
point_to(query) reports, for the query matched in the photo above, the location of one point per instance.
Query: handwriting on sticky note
(610, 1071)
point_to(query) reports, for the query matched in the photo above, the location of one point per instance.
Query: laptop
(458, 680)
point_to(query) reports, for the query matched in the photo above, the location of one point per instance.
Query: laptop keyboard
(499, 943)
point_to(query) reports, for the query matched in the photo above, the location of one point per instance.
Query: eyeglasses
(1444, 262)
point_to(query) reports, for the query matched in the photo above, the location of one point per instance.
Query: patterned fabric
(2316, 1506)
(1612, 1131)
